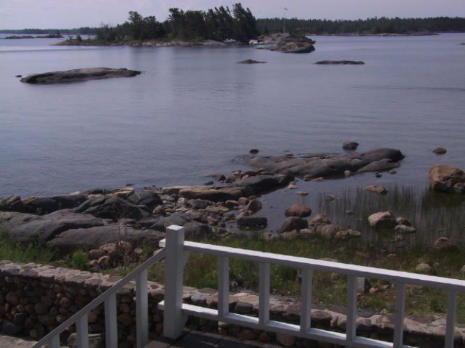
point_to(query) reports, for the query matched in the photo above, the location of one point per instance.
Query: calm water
(194, 110)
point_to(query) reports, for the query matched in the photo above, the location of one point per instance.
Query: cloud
(17, 14)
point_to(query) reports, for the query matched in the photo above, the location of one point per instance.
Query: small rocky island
(77, 75)
(287, 43)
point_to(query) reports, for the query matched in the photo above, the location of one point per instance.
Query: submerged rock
(445, 178)
(381, 190)
(76, 75)
(340, 62)
(440, 151)
(251, 61)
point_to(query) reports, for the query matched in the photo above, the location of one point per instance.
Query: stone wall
(34, 299)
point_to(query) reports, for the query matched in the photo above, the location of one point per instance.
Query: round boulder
(445, 178)
(384, 219)
(299, 210)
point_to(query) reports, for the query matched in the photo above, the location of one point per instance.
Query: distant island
(48, 36)
(223, 23)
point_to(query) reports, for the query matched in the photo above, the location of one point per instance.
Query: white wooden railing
(80, 319)
(176, 312)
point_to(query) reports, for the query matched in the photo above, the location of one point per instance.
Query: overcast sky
(16, 14)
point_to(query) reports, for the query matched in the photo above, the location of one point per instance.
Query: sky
(18, 14)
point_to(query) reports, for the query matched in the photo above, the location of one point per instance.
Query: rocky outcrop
(445, 178)
(28, 227)
(245, 186)
(340, 62)
(77, 75)
(312, 166)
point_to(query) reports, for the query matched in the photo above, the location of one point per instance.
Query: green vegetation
(363, 26)
(215, 24)
(20, 252)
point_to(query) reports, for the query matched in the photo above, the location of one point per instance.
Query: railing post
(142, 310)
(351, 322)
(264, 294)
(55, 342)
(305, 315)
(111, 324)
(451, 313)
(82, 331)
(173, 320)
(399, 316)
(223, 286)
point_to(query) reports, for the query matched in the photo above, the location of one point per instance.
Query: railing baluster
(351, 322)
(55, 342)
(223, 286)
(451, 312)
(111, 325)
(264, 293)
(305, 315)
(142, 310)
(399, 315)
(173, 319)
(82, 331)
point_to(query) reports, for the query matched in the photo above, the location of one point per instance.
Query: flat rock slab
(77, 75)
(312, 166)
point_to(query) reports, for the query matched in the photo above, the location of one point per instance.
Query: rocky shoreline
(94, 218)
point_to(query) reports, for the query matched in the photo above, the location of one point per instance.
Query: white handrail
(177, 248)
(109, 296)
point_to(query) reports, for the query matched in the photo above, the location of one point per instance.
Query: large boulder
(445, 178)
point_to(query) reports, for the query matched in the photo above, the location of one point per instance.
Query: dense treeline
(363, 26)
(220, 23)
